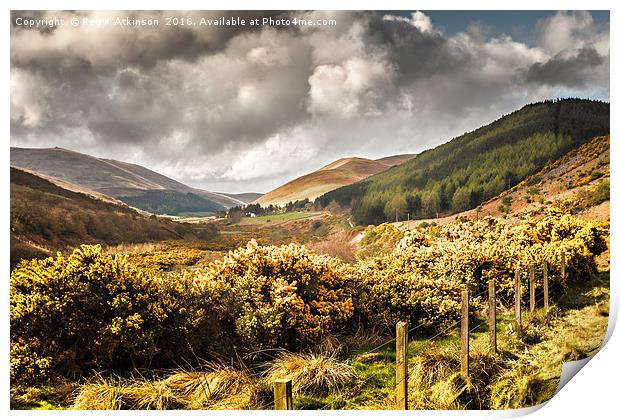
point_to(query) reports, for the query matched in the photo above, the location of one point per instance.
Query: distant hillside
(119, 180)
(247, 198)
(171, 202)
(341, 172)
(474, 167)
(46, 218)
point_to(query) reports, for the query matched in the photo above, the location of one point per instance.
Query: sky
(248, 108)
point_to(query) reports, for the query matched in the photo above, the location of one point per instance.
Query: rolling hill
(130, 183)
(341, 172)
(46, 218)
(247, 198)
(476, 166)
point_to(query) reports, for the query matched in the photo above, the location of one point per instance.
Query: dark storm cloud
(240, 109)
(127, 85)
(418, 53)
(567, 71)
(126, 46)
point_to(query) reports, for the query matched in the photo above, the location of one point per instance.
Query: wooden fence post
(546, 285)
(492, 323)
(465, 333)
(402, 339)
(563, 266)
(283, 394)
(532, 291)
(518, 298)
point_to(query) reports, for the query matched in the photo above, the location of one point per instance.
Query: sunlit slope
(341, 172)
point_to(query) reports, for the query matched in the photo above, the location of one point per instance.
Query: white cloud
(570, 32)
(418, 20)
(354, 88)
(29, 105)
(422, 22)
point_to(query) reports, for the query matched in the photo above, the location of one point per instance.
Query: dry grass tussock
(315, 373)
(217, 387)
(435, 381)
(99, 394)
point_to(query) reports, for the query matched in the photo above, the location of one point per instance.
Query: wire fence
(442, 332)
(539, 300)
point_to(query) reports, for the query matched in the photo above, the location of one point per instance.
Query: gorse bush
(281, 296)
(87, 310)
(585, 198)
(26, 363)
(90, 310)
(379, 240)
(422, 280)
(165, 259)
(391, 291)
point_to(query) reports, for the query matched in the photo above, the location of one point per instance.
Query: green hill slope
(475, 166)
(171, 202)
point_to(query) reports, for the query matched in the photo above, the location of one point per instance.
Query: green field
(277, 218)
